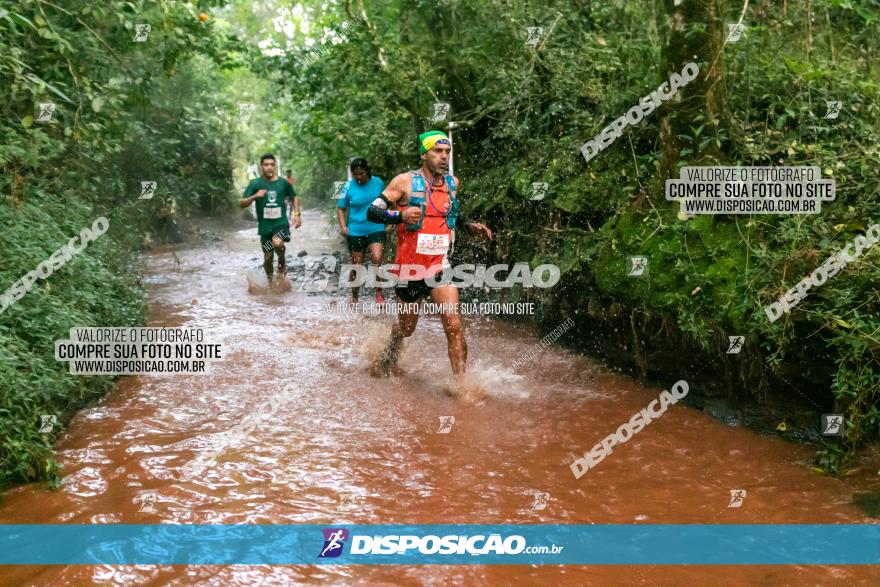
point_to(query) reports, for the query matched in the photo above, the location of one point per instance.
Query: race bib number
(269, 213)
(432, 244)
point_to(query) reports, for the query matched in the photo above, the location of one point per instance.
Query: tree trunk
(695, 33)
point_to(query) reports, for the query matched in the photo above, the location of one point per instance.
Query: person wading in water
(428, 213)
(271, 193)
(361, 234)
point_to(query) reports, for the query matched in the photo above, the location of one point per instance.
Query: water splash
(485, 378)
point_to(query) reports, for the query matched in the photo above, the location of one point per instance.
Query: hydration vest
(419, 191)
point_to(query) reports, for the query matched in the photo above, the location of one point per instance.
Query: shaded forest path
(324, 443)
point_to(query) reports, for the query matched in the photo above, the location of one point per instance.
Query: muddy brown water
(335, 432)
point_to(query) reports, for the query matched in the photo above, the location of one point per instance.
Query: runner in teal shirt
(361, 234)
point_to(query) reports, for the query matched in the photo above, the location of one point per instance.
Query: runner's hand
(412, 215)
(477, 228)
(344, 230)
(259, 194)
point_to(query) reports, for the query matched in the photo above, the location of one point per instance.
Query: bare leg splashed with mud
(386, 363)
(427, 198)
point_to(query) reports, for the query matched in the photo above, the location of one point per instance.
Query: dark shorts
(266, 239)
(413, 291)
(359, 244)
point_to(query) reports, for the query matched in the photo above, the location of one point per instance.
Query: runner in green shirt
(271, 194)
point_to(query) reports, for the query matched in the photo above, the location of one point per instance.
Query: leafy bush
(126, 112)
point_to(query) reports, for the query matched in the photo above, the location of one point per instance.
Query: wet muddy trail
(338, 446)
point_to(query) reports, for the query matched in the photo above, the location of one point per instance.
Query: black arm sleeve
(379, 212)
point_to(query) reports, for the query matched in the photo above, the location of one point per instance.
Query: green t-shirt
(271, 208)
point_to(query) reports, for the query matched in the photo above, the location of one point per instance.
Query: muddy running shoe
(385, 369)
(380, 369)
(382, 366)
(386, 364)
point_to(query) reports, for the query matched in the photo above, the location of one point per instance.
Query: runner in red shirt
(427, 198)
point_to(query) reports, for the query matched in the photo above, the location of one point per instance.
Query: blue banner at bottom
(455, 544)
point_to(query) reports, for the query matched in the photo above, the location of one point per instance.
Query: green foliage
(126, 112)
(167, 110)
(525, 112)
(97, 287)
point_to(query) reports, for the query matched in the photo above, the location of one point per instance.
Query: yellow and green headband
(428, 140)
